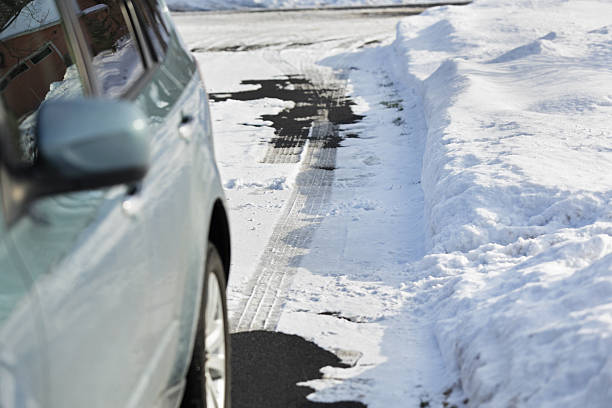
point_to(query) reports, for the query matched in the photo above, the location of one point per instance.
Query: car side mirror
(93, 143)
(83, 144)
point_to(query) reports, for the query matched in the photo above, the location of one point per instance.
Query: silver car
(114, 241)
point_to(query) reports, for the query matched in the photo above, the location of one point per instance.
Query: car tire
(208, 379)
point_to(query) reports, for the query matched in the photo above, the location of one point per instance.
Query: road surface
(319, 250)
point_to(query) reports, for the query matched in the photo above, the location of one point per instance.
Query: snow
(517, 187)
(256, 192)
(193, 5)
(466, 253)
(351, 292)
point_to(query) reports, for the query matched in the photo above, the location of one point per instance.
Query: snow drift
(517, 178)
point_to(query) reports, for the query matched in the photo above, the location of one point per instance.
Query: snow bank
(517, 178)
(187, 5)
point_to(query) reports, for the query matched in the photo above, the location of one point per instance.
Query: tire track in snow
(261, 306)
(290, 239)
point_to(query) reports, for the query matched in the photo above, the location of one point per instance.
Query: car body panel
(23, 365)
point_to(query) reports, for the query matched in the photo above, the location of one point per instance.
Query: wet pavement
(267, 366)
(292, 125)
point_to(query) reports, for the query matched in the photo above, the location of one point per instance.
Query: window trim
(150, 64)
(69, 12)
(149, 17)
(137, 32)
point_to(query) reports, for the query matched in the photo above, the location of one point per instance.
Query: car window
(156, 33)
(35, 65)
(160, 12)
(116, 59)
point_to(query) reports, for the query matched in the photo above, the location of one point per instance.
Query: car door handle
(187, 127)
(132, 202)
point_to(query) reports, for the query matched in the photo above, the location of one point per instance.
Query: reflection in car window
(116, 58)
(35, 65)
(156, 34)
(160, 12)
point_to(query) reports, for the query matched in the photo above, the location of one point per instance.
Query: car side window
(160, 11)
(116, 59)
(155, 32)
(35, 65)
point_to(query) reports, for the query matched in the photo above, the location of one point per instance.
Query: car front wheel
(208, 378)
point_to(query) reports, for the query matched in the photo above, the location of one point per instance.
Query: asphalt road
(266, 367)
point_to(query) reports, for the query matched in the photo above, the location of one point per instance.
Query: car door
(172, 193)
(83, 252)
(167, 201)
(22, 353)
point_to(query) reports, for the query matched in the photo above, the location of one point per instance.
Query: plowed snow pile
(517, 178)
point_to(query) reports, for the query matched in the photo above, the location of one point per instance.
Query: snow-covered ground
(257, 191)
(192, 5)
(517, 179)
(467, 246)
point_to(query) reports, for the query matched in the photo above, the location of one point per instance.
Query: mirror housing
(83, 144)
(93, 142)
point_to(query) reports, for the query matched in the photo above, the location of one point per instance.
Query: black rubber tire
(195, 388)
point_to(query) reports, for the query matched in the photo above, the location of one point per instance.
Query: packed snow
(467, 249)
